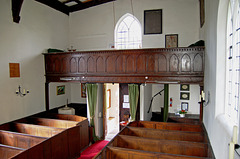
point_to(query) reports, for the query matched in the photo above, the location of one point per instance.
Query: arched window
(233, 62)
(128, 33)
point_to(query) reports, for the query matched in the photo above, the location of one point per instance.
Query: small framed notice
(125, 98)
(14, 70)
(126, 105)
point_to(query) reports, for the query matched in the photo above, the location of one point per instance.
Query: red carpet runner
(93, 150)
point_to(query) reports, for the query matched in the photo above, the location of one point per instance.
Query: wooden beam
(56, 5)
(16, 8)
(87, 5)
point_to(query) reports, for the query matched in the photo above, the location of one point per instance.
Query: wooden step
(123, 153)
(168, 126)
(7, 152)
(164, 134)
(163, 146)
(19, 140)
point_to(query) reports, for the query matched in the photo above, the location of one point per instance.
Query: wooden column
(47, 95)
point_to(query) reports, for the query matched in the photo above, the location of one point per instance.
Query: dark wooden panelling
(198, 63)
(64, 136)
(23, 141)
(123, 153)
(82, 66)
(100, 65)
(7, 152)
(73, 65)
(164, 134)
(197, 149)
(186, 63)
(181, 65)
(144, 140)
(168, 126)
(174, 63)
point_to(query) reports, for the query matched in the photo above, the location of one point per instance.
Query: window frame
(116, 32)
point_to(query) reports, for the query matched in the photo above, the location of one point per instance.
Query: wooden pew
(35, 130)
(38, 137)
(19, 140)
(82, 123)
(164, 134)
(61, 116)
(9, 151)
(183, 120)
(123, 153)
(49, 122)
(55, 147)
(168, 126)
(162, 146)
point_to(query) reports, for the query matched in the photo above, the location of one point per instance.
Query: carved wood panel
(183, 65)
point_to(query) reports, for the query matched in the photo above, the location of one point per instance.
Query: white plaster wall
(193, 106)
(40, 28)
(59, 100)
(158, 101)
(93, 28)
(76, 94)
(218, 128)
(145, 98)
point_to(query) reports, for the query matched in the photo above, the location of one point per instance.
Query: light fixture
(21, 92)
(203, 99)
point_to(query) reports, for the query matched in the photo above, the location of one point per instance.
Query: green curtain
(165, 111)
(133, 91)
(92, 100)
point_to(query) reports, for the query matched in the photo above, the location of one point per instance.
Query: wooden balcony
(162, 65)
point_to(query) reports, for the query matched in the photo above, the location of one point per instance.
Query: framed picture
(171, 40)
(184, 95)
(184, 106)
(184, 87)
(153, 21)
(60, 90)
(202, 13)
(83, 90)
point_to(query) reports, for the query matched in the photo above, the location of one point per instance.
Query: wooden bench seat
(158, 140)
(42, 137)
(49, 122)
(61, 116)
(164, 134)
(163, 146)
(168, 126)
(82, 122)
(19, 140)
(123, 153)
(9, 151)
(35, 130)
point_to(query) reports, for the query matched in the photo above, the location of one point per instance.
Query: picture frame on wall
(171, 40)
(83, 90)
(184, 106)
(60, 90)
(153, 21)
(184, 87)
(184, 95)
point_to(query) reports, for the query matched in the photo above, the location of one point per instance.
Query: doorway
(111, 110)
